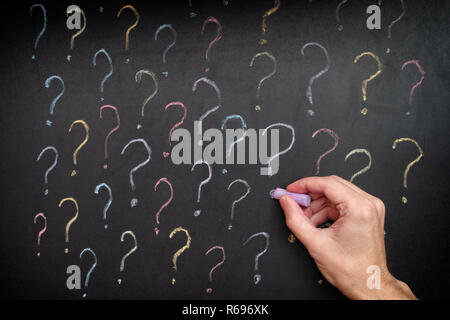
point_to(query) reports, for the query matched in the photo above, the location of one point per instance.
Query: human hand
(355, 240)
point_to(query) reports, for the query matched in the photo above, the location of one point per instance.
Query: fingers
(298, 223)
(336, 191)
(322, 216)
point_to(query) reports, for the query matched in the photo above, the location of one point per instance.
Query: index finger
(336, 191)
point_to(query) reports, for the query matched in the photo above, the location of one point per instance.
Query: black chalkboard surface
(406, 97)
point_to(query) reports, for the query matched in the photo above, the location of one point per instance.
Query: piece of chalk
(302, 199)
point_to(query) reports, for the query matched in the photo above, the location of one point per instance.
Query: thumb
(299, 223)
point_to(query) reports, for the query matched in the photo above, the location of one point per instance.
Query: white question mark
(197, 212)
(52, 166)
(257, 277)
(134, 201)
(311, 81)
(268, 170)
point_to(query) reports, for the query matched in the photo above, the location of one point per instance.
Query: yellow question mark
(179, 252)
(266, 14)
(138, 78)
(394, 22)
(71, 220)
(86, 128)
(408, 167)
(366, 168)
(72, 40)
(257, 108)
(122, 262)
(127, 34)
(365, 82)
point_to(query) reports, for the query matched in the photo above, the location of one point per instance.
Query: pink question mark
(111, 132)
(336, 142)
(42, 231)
(416, 62)
(217, 38)
(165, 204)
(209, 290)
(177, 103)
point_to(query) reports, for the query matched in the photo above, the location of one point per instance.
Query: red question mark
(177, 103)
(111, 132)
(336, 142)
(217, 38)
(416, 62)
(209, 290)
(42, 231)
(165, 204)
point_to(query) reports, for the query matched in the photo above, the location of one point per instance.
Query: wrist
(389, 289)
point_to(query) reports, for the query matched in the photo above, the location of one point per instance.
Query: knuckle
(368, 210)
(380, 205)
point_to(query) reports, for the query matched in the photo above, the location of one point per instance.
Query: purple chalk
(302, 199)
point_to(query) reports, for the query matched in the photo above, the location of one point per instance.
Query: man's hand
(355, 240)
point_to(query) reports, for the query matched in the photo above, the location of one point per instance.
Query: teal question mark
(52, 105)
(44, 27)
(90, 270)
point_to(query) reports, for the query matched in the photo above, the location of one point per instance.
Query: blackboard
(417, 240)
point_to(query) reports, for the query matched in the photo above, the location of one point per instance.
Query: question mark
(416, 62)
(258, 90)
(47, 85)
(192, 14)
(241, 198)
(408, 167)
(165, 204)
(244, 128)
(219, 98)
(257, 277)
(72, 39)
(209, 290)
(111, 69)
(42, 231)
(204, 182)
(108, 204)
(162, 27)
(69, 224)
(177, 103)
(363, 170)
(52, 166)
(105, 166)
(179, 252)
(336, 142)
(264, 25)
(86, 128)
(134, 201)
(138, 78)
(122, 262)
(269, 166)
(311, 81)
(365, 82)
(394, 22)
(217, 38)
(340, 26)
(44, 26)
(127, 34)
(86, 282)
